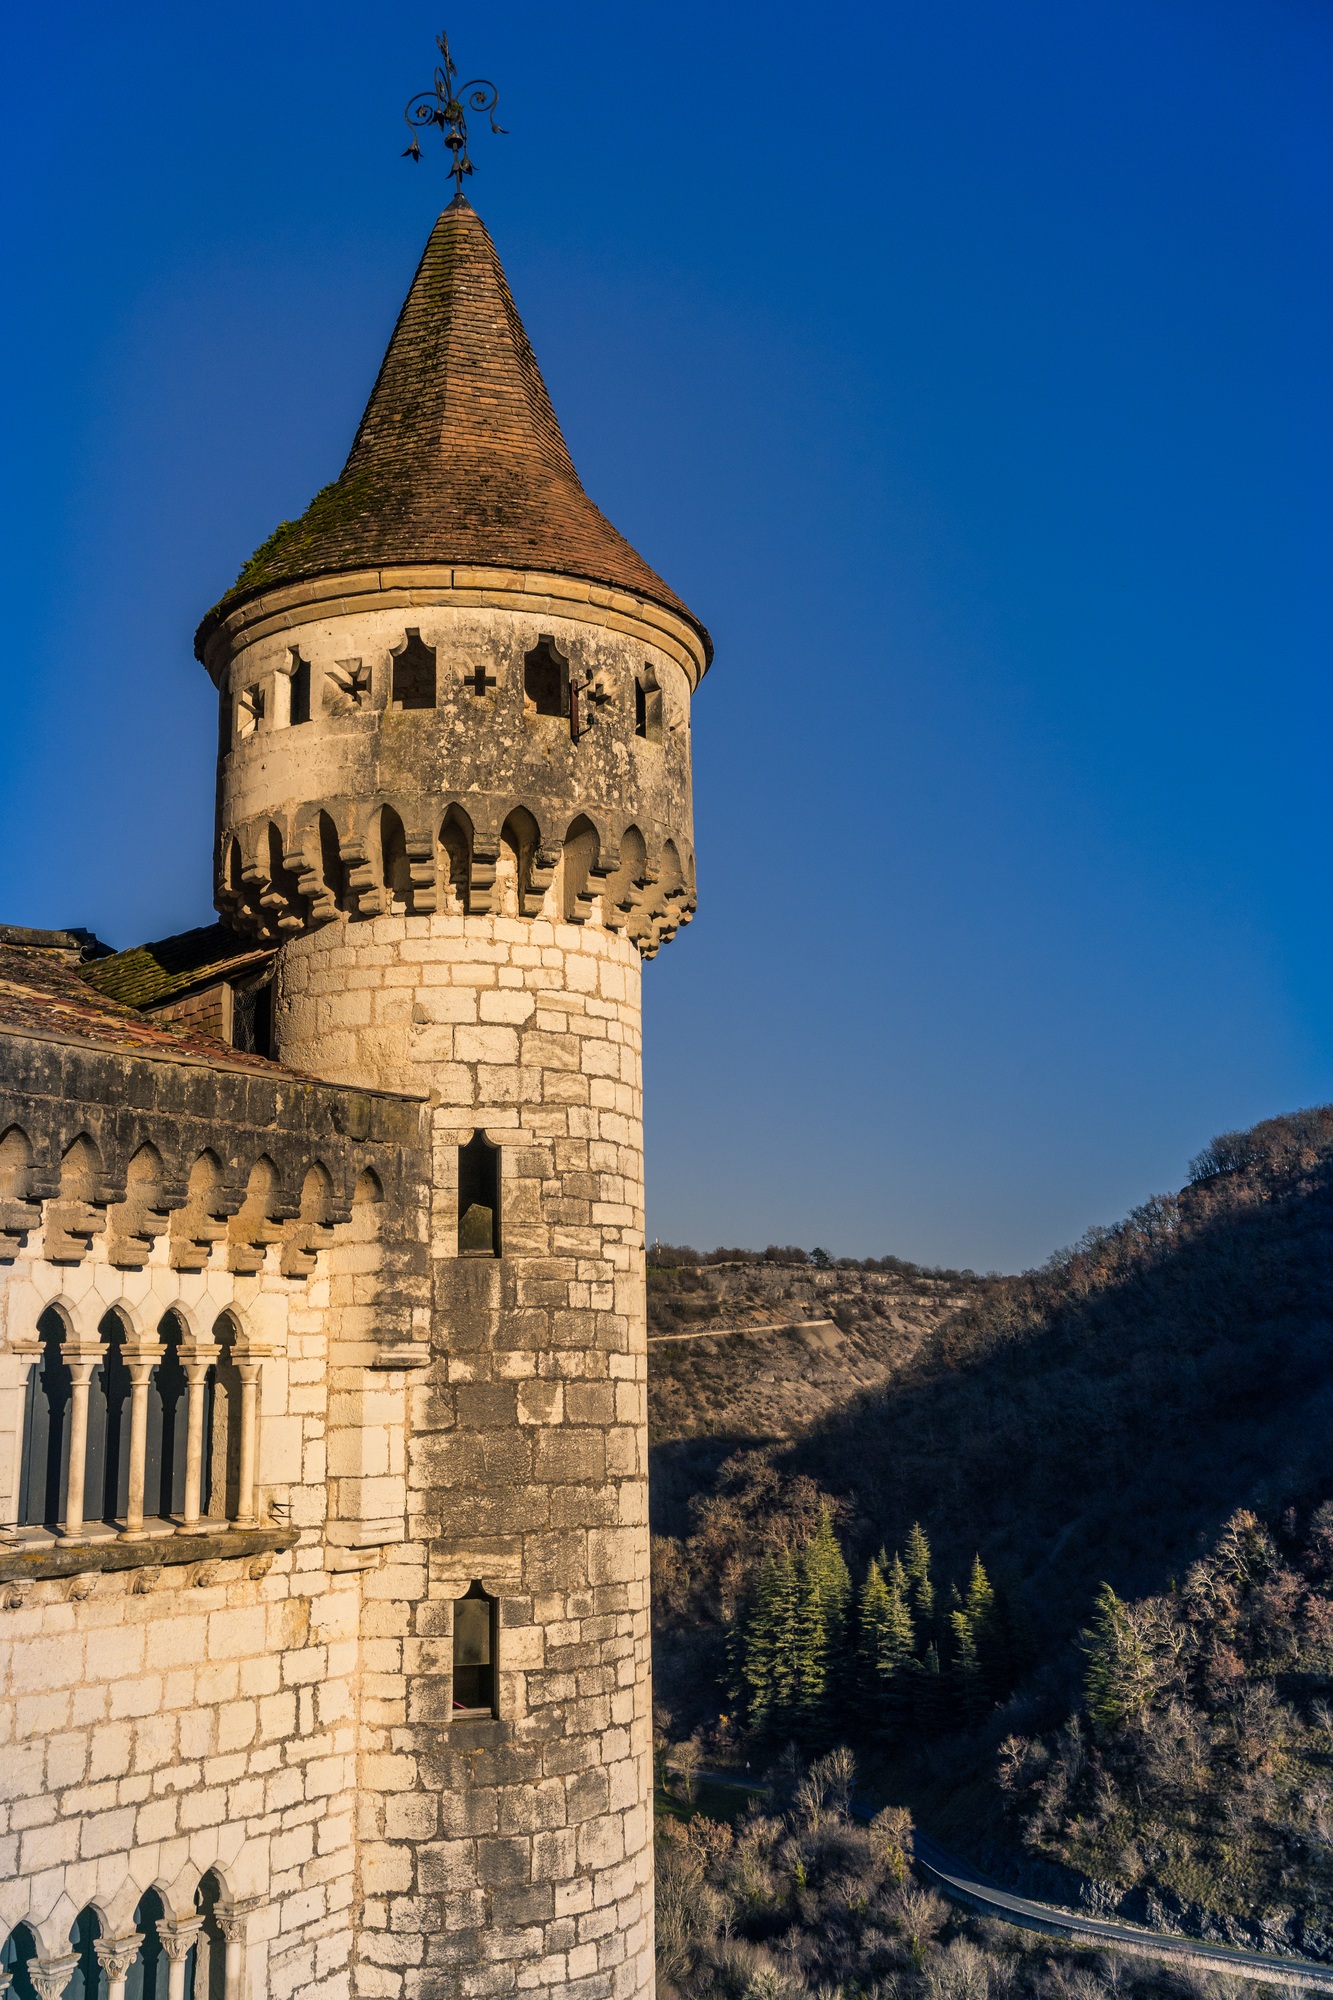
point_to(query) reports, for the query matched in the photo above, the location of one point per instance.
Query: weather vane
(442, 105)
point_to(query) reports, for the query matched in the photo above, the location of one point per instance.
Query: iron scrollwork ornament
(443, 106)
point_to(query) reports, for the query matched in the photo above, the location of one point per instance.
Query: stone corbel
(481, 887)
(545, 858)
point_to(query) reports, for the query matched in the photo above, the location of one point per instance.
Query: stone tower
(454, 785)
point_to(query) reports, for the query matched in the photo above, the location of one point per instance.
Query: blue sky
(966, 367)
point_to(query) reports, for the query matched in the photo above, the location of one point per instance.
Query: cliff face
(761, 1351)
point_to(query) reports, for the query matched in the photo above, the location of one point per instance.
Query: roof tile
(459, 458)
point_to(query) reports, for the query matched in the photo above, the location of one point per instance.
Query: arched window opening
(106, 1487)
(206, 1964)
(300, 679)
(648, 707)
(44, 1474)
(479, 1198)
(16, 1957)
(222, 1456)
(577, 857)
(456, 846)
(475, 1634)
(148, 1975)
(413, 673)
(168, 1405)
(546, 677)
(395, 869)
(87, 1981)
(332, 867)
(15, 1160)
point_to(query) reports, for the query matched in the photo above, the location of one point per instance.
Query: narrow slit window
(479, 1198)
(474, 1653)
(647, 707)
(300, 710)
(546, 677)
(414, 673)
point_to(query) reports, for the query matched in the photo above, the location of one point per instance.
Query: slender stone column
(81, 1368)
(52, 1975)
(115, 1956)
(245, 1499)
(233, 1925)
(195, 1377)
(176, 1939)
(141, 1369)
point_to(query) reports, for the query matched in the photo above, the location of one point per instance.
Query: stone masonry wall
(511, 1854)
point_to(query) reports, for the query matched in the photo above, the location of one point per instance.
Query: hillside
(1097, 1420)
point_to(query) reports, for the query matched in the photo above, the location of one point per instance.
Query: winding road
(962, 1883)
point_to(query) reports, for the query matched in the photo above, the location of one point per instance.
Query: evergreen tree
(885, 1643)
(983, 1616)
(921, 1591)
(1121, 1679)
(769, 1648)
(930, 1691)
(824, 1590)
(966, 1669)
(872, 1619)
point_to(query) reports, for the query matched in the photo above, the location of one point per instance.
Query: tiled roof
(44, 999)
(149, 974)
(459, 458)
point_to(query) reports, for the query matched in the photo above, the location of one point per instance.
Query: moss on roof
(149, 974)
(459, 458)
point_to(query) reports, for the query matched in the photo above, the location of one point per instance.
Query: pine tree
(885, 1643)
(982, 1609)
(921, 1591)
(966, 1669)
(930, 1693)
(824, 1590)
(768, 1670)
(1121, 1679)
(900, 1628)
(872, 1619)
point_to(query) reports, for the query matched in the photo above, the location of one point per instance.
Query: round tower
(454, 784)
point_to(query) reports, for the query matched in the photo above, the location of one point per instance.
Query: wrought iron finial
(443, 106)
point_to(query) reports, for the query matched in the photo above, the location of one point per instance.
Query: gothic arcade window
(87, 1981)
(479, 1198)
(16, 1957)
(164, 1466)
(149, 1973)
(546, 677)
(474, 1652)
(106, 1489)
(413, 673)
(300, 706)
(207, 1961)
(44, 1474)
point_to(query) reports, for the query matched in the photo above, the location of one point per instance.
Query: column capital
(116, 1955)
(52, 1975)
(177, 1937)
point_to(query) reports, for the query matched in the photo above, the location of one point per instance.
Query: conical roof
(459, 458)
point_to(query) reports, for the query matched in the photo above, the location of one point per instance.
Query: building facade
(322, 1393)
